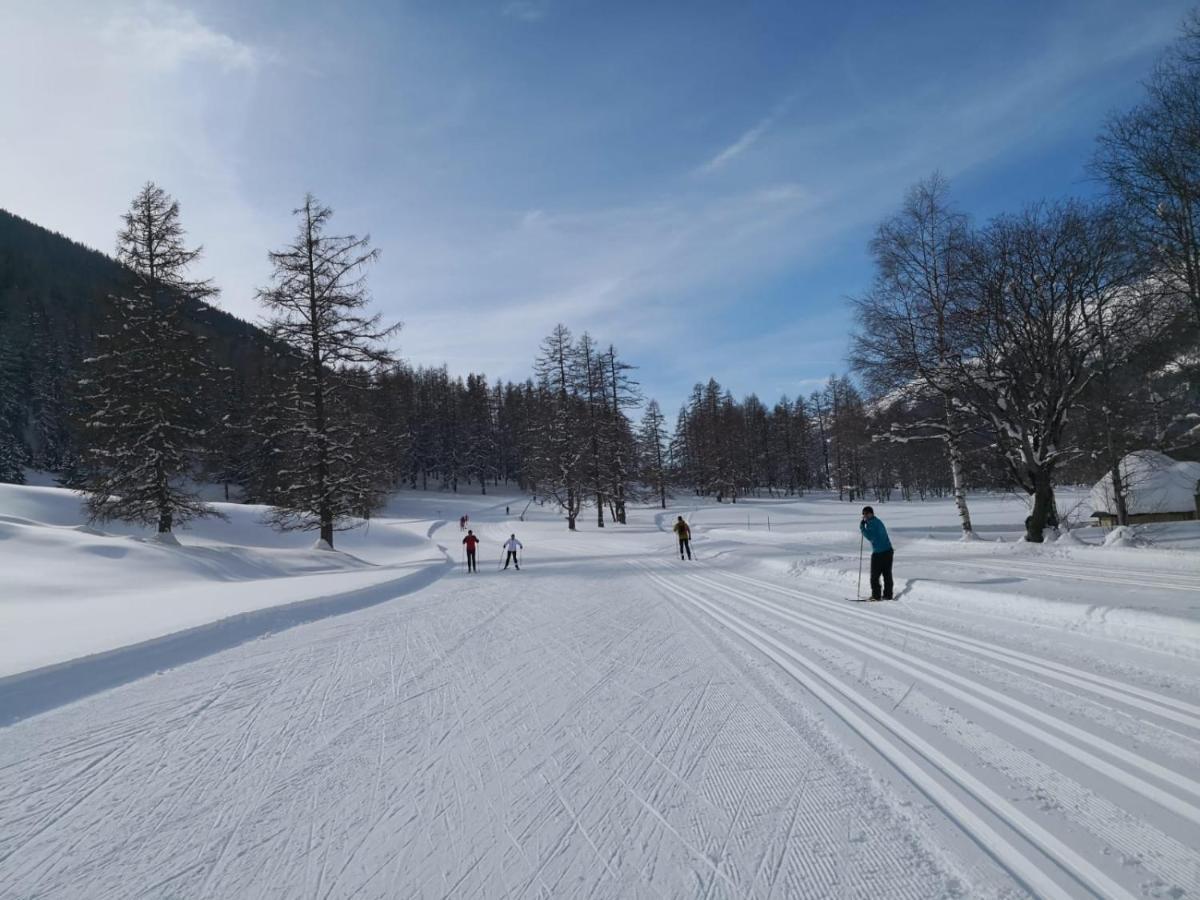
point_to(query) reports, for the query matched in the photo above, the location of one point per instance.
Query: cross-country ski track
(612, 722)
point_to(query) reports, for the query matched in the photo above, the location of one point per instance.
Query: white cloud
(100, 98)
(525, 10)
(748, 138)
(165, 37)
(740, 146)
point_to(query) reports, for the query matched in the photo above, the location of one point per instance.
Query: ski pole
(858, 590)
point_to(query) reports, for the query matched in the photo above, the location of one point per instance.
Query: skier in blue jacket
(881, 553)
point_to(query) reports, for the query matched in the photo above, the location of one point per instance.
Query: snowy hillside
(609, 721)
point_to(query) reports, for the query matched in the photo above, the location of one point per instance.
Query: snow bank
(1154, 483)
(69, 590)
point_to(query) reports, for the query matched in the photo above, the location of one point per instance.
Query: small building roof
(1154, 483)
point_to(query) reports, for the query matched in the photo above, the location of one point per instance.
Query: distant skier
(462, 522)
(685, 537)
(881, 553)
(512, 545)
(471, 542)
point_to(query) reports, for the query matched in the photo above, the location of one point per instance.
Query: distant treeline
(1038, 348)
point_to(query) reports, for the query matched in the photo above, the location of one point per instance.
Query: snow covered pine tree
(315, 301)
(143, 390)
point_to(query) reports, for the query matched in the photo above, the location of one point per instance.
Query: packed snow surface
(245, 716)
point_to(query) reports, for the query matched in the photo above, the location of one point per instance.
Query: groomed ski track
(615, 723)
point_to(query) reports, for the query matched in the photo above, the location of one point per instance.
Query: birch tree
(904, 335)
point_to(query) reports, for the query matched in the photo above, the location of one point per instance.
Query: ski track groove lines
(1161, 851)
(470, 741)
(1148, 701)
(820, 619)
(989, 702)
(1030, 868)
(645, 735)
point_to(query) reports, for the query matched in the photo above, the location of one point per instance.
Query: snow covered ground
(199, 721)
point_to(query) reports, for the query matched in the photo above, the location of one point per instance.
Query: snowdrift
(69, 590)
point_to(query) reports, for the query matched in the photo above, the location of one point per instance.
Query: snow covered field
(199, 721)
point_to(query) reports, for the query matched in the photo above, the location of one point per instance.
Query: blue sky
(694, 182)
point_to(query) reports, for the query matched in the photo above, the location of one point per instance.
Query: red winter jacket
(470, 540)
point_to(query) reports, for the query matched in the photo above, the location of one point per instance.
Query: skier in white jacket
(512, 545)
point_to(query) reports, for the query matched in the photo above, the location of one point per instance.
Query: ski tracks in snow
(661, 731)
(477, 739)
(1064, 808)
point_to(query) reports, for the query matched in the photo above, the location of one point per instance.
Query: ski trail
(842, 699)
(1158, 704)
(959, 686)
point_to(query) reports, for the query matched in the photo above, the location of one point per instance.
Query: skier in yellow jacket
(685, 537)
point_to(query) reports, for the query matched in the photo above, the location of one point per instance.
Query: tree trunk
(320, 428)
(956, 478)
(1043, 503)
(163, 498)
(1119, 493)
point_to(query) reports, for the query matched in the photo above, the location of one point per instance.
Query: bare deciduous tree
(904, 339)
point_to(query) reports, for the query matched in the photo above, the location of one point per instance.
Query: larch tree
(623, 393)
(316, 306)
(558, 451)
(144, 389)
(652, 451)
(590, 386)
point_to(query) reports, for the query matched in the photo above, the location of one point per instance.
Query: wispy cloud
(748, 139)
(503, 203)
(525, 10)
(164, 36)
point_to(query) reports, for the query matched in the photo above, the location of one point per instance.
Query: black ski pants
(685, 546)
(512, 557)
(471, 561)
(881, 564)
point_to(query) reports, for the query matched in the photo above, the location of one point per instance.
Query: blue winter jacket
(874, 532)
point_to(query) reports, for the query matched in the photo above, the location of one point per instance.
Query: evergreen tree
(267, 431)
(315, 305)
(557, 449)
(652, 452)
(12, 455)
(619, 442)
(589, 377)
(143, 389)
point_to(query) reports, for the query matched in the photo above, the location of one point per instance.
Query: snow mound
(1069, 538)
(1154, 483)
(1124, 536)
(70, 590)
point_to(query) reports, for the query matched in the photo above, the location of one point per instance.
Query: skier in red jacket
(470, 542)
